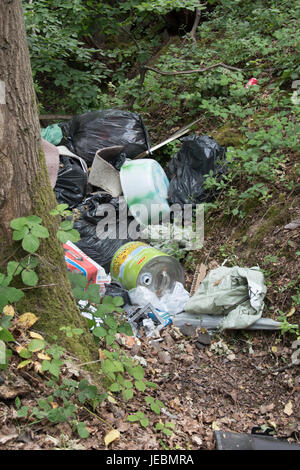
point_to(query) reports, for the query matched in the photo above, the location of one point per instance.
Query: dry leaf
(20, 348)
(288, 409)
(9, 310)
(214, 426)
(27, 320)
(102, 355)
(36, 335)
(291, 312)
(43, 357)
(266, 408)
(38, 367)
(111, 399)
(54, 404)
(111, 436)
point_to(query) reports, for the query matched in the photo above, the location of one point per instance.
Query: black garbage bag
(71, 183)
(95, 244)
(186, 171)
(87, 133)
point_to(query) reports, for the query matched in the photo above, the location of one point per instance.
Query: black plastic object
(71, 183)
(87, 133)
(114, 290)
(101, 249)
(198, 156)
(226, 440)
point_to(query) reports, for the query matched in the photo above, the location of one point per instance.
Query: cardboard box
(78, 261)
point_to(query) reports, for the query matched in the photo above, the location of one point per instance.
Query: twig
(37, 287)
(184, 72)
(96, 416)
(91, 362)
(278, 369)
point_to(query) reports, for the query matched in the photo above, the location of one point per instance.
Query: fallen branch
(184, 72)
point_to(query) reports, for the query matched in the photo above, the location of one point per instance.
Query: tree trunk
(25, 187)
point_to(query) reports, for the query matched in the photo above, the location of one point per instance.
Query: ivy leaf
(6, 335)
(127, 394)
(13, 268)
(118, 301)
(19, 234)
(40, 231)
(82, 431)
(19, 223)
(36, 345)
(29, 277)
(30, 243)
(139, 385)
(99, 332)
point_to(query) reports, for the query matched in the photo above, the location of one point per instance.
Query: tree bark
(25, 187)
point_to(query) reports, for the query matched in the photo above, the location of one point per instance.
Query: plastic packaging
(198, 156)
(147, 317)
(138, 264)
(172, 301)
(252, 81)
(86, 133)
(145, 188)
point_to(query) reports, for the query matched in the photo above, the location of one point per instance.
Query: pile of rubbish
(100, 164)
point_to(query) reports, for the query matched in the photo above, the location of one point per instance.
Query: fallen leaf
(35, 335)
(43, 356)
(291, 312)
(266, 408)
(24, 363)
(102, 355)
(288, 409)
(9, 310)
(111, 436)
(27, 320)
(5, 439)
(274, 349)
(214, 426)
(38, 367)
(54, 404)
(111, 399)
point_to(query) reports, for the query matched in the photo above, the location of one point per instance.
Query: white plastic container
(145, 188)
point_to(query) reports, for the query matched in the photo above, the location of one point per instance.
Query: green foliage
(139, 416)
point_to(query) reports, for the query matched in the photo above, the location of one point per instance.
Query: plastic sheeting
(236, 292)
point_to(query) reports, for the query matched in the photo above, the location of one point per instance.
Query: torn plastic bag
(186, 171)
(87, 133)
(238, 293)
(52, 134)
(97, 244)
(172, 302)
(71, 183)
